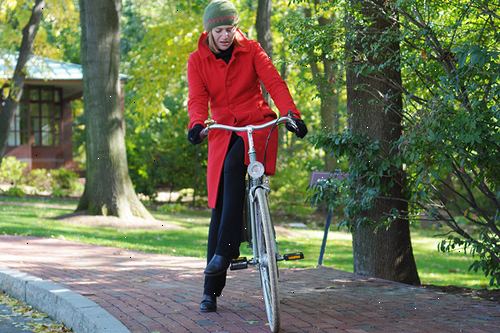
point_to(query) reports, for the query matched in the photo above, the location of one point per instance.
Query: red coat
(235, 97)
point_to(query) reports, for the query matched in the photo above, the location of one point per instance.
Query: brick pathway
(160, 293)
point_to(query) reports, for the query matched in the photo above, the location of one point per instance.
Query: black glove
(194, 134)
(301, 129)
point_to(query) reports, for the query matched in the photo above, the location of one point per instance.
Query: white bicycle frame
(264, 247)
(255, 168)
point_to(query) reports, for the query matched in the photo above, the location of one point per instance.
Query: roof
(41, 68)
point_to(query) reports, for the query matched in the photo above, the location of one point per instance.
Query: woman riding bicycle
(225, 72)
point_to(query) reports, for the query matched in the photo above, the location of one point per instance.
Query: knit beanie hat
(219, 12)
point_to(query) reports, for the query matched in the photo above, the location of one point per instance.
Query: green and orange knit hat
(219, 12)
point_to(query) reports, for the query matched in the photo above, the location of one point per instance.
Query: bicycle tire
(268, 266)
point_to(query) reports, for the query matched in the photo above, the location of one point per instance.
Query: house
(40, 133)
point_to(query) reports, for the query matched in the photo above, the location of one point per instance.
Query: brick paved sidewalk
(161, 293)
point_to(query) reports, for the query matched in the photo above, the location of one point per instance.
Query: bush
(289, 185)
(40, 180)
(64, 182)
(172, 208)
(14, 191)
(12, 171)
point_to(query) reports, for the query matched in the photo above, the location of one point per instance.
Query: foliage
(14, 191)
(315, 32)
(357, 189)
(40, 180)
(315, 37)
(58, 182)
(64, 182)
(58, 35)
(450, 146)
(40, 323)
(174, 208)
(163, 151)
(452, 140)
(12, 171)
(289, 185)
(159, 154)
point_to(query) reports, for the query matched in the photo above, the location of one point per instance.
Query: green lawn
(36, 218)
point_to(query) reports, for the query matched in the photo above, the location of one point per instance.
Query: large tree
(108, 188)
(381, 239)
(9, 106)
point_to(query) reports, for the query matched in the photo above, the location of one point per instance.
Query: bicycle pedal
(293, 256)
(240, 263)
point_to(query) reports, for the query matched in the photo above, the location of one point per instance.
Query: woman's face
(223, 36)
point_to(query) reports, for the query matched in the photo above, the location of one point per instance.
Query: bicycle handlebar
(248, 128)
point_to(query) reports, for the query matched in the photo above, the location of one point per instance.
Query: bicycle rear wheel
(267, 259)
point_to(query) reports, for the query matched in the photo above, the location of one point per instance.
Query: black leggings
(224, 235)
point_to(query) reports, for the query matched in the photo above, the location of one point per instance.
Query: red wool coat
(233, 92)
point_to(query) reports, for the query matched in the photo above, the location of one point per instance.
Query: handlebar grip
(204, 133)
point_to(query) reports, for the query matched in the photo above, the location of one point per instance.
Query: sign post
(315, 177)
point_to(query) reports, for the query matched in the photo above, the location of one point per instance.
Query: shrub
(64, 182)
(14, 191)
(40, 180)
(172, 208)
(12, 171)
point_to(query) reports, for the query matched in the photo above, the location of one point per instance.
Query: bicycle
(263, 240)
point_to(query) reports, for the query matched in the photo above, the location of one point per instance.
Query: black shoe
(217, 265)
(208, 304)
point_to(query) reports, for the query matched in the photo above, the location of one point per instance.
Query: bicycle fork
(243, 262)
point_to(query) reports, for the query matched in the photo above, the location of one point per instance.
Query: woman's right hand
(194, 134)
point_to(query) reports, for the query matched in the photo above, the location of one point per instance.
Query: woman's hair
(211, 43)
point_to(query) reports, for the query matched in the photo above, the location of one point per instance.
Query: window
(39, 115)
(18, 134)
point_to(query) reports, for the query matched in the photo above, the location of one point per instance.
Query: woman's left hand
(301, 129)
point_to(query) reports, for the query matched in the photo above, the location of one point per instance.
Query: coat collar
(241, 46)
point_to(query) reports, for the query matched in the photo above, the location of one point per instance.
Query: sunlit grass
(190, 240)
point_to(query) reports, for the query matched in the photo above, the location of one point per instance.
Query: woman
(225, 72)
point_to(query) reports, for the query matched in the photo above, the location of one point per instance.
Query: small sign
(319, 175)
(316, 176)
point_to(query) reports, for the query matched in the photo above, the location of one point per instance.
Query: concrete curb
(60, 303)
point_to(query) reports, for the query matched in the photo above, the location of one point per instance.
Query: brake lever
(204, 132)
(291, 121)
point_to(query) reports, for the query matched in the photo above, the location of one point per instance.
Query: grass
(434, 267)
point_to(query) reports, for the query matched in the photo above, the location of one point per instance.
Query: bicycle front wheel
(267, 259)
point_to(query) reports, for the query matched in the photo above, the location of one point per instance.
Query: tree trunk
(264, 36)
(9, 107)
(375, 106)
(108, 188)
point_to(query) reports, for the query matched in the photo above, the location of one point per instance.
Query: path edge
(72, 309)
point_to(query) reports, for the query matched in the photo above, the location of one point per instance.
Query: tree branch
(17, 83)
